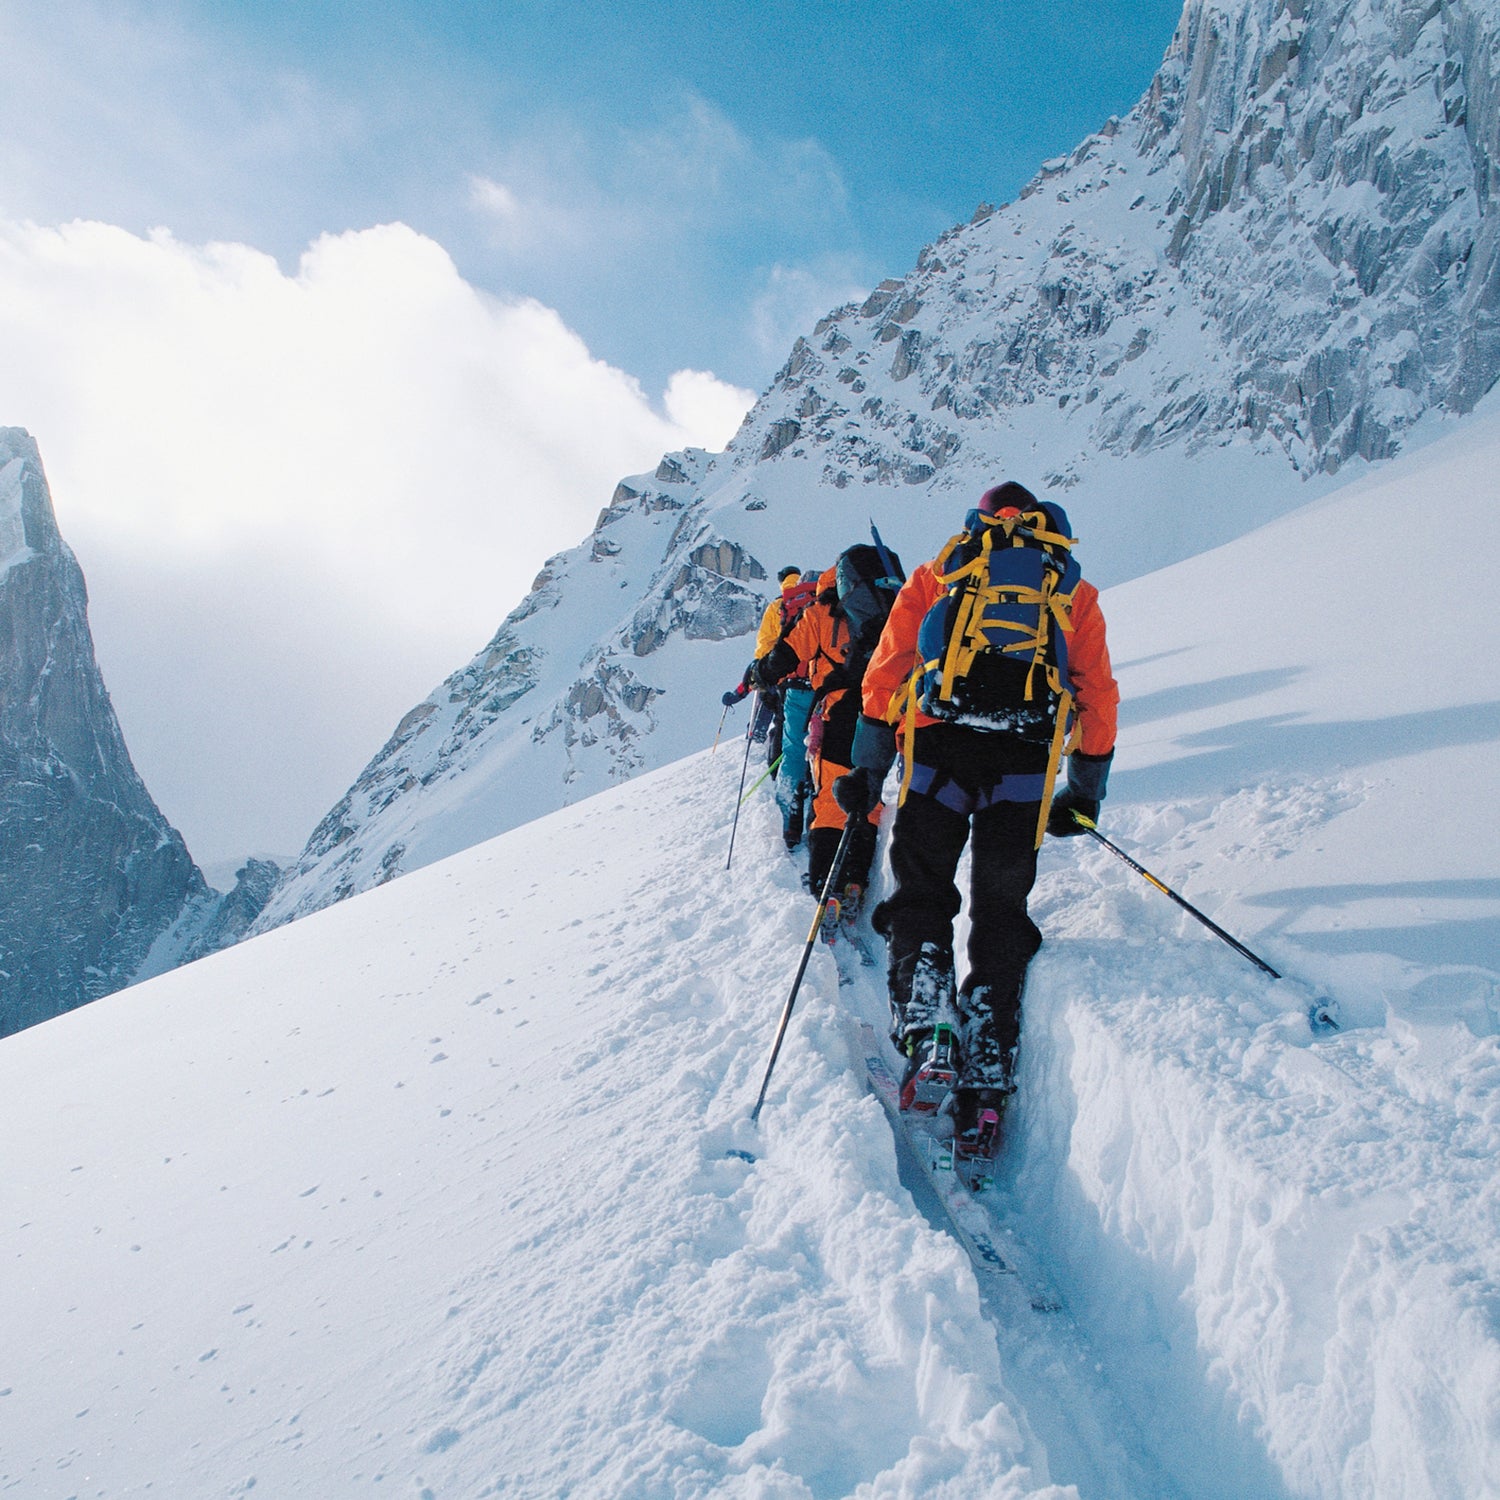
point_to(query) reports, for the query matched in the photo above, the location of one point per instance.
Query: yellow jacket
(771, 622)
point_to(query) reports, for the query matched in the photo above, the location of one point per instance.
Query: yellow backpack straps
(955, 658)
(964, 570)
(1061, 606)
(965, 637)
(1037, 523)
(1039, 644)
(1054, 760)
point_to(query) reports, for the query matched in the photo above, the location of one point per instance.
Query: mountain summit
(1283, 262)
(91, 873)
(97, 889)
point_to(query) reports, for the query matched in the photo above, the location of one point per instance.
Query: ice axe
(892, 567)
(1322, 1014)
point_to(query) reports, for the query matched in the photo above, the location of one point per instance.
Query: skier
(830, 645)
(795, 696)
(786, 756)
(767, 710)
(984, 730)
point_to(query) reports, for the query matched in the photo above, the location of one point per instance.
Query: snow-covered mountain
(450, 1190)
(96, 887)
(1283, 261)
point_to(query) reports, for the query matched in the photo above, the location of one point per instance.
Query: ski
(840, 930)
(954, 1179)
(945, 1191)
(831, 934)
(851, 914)
(832, 921)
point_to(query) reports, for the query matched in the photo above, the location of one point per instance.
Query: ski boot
(976, 1133)
(988, 1080)
(931, 1069)
(921, 991)
(792, 819)
(831, 929)
(851, 905)
(989, 1037)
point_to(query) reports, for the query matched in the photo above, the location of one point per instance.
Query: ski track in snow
(452, 1188)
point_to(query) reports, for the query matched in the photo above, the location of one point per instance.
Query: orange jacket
(1095, 692)
(820, 638)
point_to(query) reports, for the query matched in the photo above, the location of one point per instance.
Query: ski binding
(924, 1092)
(974, 1156)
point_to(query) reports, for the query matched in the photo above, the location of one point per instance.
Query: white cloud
(793, 298)
(676, 172)
(369, 457)
(493, 199)
(369, 404)
(699, 401)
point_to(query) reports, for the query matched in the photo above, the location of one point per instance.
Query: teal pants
(796, 711)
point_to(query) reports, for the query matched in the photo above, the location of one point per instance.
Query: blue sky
(369, 303)
(688, 181)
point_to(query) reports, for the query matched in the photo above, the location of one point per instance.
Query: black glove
(856, 793)
(1061, 823)
(768, 670)
(731, 698)
(1088, 776)
(874, 747)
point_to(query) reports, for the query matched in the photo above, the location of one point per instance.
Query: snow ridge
(494, 1117)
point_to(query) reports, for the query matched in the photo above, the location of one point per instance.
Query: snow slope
(436, 1192)
(432, 1188)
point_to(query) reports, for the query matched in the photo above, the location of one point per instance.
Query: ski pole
(719, 730)
(829, 886)
(767, 772)
(744, 771)
(1321, 1011)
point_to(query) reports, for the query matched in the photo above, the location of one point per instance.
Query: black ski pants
(969, 787)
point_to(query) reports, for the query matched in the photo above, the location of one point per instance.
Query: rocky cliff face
(213, 920)
(1332, 211)
(565, 699)
(1280, 263)
(1292, 241)
(91, 873)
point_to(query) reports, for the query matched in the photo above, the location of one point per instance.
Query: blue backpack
(994, 648)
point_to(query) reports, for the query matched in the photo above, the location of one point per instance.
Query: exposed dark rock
(91, 873)
(235, 912)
